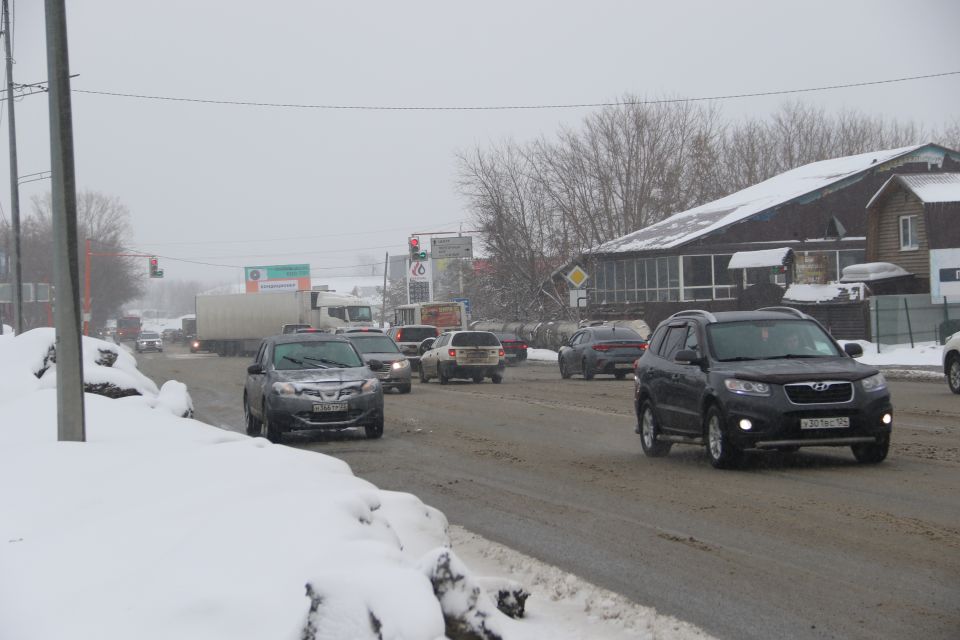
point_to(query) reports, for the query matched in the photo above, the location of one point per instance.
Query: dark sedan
(311, 381)
(514, 348)
(602, 349)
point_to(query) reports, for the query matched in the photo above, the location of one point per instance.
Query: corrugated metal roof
(934, 187)
(684, 227)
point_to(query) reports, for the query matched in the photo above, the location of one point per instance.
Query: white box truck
(234, 324)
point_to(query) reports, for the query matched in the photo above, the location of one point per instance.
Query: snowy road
(807, 545)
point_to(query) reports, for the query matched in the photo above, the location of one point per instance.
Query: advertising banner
(282, 277)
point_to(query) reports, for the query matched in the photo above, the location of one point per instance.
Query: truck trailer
(234, 324)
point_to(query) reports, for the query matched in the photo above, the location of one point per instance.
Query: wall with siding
(902, 203)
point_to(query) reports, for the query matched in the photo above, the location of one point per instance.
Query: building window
(908, 233)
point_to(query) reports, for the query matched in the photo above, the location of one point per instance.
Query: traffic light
(417, 252)
(155, 272)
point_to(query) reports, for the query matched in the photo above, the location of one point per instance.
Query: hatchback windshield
(621, 333)
(374, 344)
(770, 339)
(315, 355)
(475, 339)
(415, 334)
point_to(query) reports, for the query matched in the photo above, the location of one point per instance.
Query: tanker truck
(234, 324)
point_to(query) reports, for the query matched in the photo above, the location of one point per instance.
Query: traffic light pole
(86, 280)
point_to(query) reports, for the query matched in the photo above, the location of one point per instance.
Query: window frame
(912, 242)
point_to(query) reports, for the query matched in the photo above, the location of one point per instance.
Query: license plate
(824, 423)
(623, 365)
(321, 407)
(383, 375)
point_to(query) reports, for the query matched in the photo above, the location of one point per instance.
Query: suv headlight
(401, 364)
(370, 385)
(747, 387)
(874, 383)
(284, 389)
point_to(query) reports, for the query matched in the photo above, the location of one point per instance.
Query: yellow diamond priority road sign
(577, 276)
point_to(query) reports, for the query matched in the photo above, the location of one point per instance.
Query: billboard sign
(273, 278)
(944, 275)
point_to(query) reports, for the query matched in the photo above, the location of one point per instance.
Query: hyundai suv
(771, 379)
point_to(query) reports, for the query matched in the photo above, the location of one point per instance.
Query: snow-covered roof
(762, 258)
(928, 187)
(684, 227)
(872, 271)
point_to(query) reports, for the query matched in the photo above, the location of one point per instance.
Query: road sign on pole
(451, 247)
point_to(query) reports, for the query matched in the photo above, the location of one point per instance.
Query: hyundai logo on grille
(820, 386)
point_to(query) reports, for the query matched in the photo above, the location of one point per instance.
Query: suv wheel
(496, 378)
(872, 453)
(423, 374)
(648, 433)
(442, 374)
(953, 373)
(564, 373)
(723, 453)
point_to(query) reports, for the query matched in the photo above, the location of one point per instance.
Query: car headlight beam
(284, 389)
(401, 364)
(370, 385)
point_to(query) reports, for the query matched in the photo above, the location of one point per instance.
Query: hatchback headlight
(874, 383)
(284, 389)
(401, 364)
(370, 385)
(747, 387)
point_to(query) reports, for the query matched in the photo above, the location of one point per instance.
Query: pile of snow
(825, 292)
(923, 354)
(160, 526)
(542, 355)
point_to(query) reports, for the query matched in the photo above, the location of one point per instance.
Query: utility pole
(383, 305)
(70, 403)
(15, 275)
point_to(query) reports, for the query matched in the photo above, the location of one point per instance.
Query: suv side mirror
(255, 369)
(375, 365)
(687, 356)
(853, 349)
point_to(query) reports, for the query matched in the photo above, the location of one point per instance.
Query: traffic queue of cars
(731, 382)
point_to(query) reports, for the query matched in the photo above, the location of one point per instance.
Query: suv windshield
(146, 335)
(475, 339)
(373, 344)
(770, 339)
(315, 354)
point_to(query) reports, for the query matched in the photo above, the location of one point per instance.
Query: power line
(281, 105)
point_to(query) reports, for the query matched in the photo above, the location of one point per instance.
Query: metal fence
(909, 319)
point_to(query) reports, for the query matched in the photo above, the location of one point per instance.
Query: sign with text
(944, 274)
(453, 247)
(281, 277)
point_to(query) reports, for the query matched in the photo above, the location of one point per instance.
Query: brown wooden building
(908, 217)
(817, 211)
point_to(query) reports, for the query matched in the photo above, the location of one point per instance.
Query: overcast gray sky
(255, 185)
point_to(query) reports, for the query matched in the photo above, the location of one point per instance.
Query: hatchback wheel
(564, 373)
(252, 424)
(496, 378)
(649, 431)
(269, 430)
(587, 370)
(375, 429)
(723, 453)
(953, 373)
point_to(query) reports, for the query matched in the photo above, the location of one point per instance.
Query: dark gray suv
(767, 379)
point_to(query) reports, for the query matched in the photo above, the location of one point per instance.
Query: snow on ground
(164, 527)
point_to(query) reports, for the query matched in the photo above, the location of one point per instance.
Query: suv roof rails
(790, 310)
(699, 313)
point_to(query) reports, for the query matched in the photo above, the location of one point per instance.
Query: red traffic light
(415, 242)
(153, 262)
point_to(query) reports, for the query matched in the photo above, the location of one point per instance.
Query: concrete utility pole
(383, 303)
(70, 405)
(15, 276)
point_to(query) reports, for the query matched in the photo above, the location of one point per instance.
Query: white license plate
(623, 365)
(824, 423)
(321, 407)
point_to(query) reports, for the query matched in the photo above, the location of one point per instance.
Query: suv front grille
(819, 392)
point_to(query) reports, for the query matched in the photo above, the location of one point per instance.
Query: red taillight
(399, 335)
(501, 353)
(523, 346)
(452, 353)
